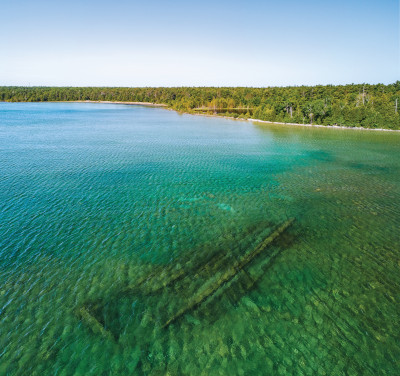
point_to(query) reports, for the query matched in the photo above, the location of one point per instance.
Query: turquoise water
(113, 217)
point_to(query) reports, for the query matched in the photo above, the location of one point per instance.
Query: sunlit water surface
(102, 205)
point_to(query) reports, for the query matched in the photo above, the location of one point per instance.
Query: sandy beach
(295, 124)
(324, 126)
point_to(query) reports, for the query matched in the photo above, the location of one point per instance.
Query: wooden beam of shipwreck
(94, 324)
(162, 277)
(230, 273)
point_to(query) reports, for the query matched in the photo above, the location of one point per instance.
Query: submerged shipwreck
(184, 287)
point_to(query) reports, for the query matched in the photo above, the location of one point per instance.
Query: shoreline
(147, 104)
(325, 126)
(165, 106)
(292, 124)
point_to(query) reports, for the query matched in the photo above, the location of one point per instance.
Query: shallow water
(113, 217)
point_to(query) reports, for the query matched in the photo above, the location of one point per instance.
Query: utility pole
(395, 106)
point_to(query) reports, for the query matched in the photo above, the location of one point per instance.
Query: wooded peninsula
(355, 105)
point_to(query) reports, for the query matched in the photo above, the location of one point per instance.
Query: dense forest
(361, 105)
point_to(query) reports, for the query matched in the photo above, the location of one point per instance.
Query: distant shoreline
(162, 105)
(148, 104)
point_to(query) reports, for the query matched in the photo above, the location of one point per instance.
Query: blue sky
(207, 43)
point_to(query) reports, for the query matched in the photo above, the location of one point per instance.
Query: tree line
(355, 105)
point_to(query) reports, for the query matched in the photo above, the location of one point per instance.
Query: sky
(203, 43)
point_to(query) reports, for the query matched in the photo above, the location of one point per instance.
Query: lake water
(113, 217)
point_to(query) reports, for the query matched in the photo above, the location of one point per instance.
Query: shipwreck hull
(200, 281)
